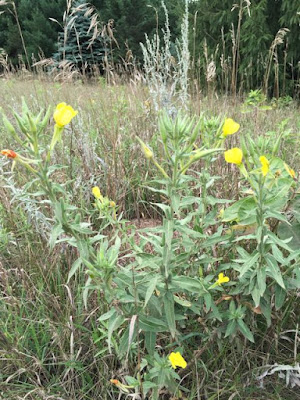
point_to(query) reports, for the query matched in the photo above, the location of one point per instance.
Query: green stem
(260, 221)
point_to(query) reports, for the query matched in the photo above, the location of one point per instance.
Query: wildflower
(112, 204)
(16, 157)
(115, 382)
(63, 114)
(119, 385)
(96, 192)
(222, 279)
(234, 156)
(265, 165)
(290, 171)
(230, 127)
(9, 153)
(177, 360)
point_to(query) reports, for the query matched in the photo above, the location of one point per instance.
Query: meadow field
(139, 259)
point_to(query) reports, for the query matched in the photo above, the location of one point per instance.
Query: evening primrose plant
(271, 269)
(151, 293)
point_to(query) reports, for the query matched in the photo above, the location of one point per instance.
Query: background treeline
(233, 42)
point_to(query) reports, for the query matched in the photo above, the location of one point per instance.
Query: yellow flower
(265, 165)
(230, 127)
(96, 192)
(63, 114)
(234, 156)
(222, 279)
(177, 360)
(112, 204)
(290, 171)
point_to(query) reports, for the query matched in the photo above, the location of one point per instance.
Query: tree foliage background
(214, 26)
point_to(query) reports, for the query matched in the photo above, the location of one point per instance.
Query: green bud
(146, 150)
(9, 126)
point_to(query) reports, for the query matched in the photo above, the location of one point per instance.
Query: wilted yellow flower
(230, 127)
(9, 153)
(222, 279)
(234, 156)
(290, 171)
(119, 385)
(96, 192)
(112, 204)
(63, 114)
(177, 360)
(265, 165)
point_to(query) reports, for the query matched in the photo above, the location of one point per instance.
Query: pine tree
(80, 44)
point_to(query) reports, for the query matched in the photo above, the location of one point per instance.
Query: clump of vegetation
(218, 263)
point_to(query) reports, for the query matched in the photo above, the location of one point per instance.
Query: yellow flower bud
(265, 165)
(96, 192)
(290, 171)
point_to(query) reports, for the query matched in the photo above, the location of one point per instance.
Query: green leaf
(86, 291)
(151, 287)
(182, 282)
(132, 381)
(231, 328)
(249, 264)
(168, 300)
(107, 315)
(115, 322)
(245, 330)
(150, 342)
(76, 264)
(261, 280)
(215, 311)
(56, 231)
(151, 324)
(276, 215)
(256, 296)
(274, 270)
(182, 302)
(279, 242)
(280, 295)
(265, 306)
(286, 231)
(208, 301)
